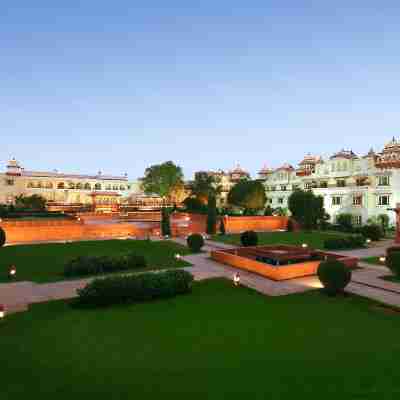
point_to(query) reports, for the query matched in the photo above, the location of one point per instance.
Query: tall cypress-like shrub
(2, 237)
(165, 222)
(212, 215)
(222, 229)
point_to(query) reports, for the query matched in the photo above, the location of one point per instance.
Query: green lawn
(217, 343)
(45, 262)
(372, 260)
(313, 239)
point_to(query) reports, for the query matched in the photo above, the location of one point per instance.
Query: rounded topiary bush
(393, 261)
(334, 276)
(195, 242)
(373, 232)
(249, 238)
(2, 237)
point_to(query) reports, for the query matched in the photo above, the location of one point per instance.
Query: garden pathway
(366, 282)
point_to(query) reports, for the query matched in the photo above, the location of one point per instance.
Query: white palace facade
(364, 186)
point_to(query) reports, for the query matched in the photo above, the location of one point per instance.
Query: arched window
(39, 185)
(115, 187)
(122, 187)
(87, 186)
(71, 185)
(29, 185)
(108, 187)
(49, 185)
(61, 185)
(97, 186)
(78, 186)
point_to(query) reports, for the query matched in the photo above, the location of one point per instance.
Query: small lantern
(187, 218)
(12, 272)
(368, 241)
(166, 237)
(382, 260)
(178, 257)
(304, 245)
(2, 311)
(236, 279)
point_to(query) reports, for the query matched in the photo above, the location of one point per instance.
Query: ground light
(382, 260)
(304, 245)
(2, 312)
(12, 272)
(236, 279)
(368, 241)
(178, 256)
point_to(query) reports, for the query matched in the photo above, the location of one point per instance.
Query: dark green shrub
(2, 237)
(222, 229)
(393, 261)
(268, 211)
(290, 225)
(134, 288)
(212, 215)
(94, 265)
(344, 243)
(373, 232)
(392, 249)
(195, 242)
(249, 238)
(334, 276)
(345, 222)
(165, 222)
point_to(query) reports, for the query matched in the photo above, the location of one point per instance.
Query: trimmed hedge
(393, 260)
(373, 232)
(2, 237)
(195, 242)
(94, 265)
(334, 276)
(249, 238)
(133, 288)
(344, 243)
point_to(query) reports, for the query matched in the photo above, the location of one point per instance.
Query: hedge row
(94, 265)
(133, 288)
(393, 259)
(343, 243)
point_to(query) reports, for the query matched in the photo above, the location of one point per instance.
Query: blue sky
(119, 85)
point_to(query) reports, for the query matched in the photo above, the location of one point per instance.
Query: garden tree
(222, 229)
(162, 179)
(249, 195)
(165, 222)
(2, 237)
(178, 193)
(306, 208)
(268, 211)
(212, 215)
(205, 185)
(194, 204)
(280, 211)
(34, 202)
(383, 221)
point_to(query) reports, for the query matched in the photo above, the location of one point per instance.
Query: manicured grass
(391, 278)
(45, 262)
(217, 343)
(313, 239)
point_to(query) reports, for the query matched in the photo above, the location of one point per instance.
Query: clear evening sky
(118, 85)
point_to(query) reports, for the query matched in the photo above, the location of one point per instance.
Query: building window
(357, 200)
(357, 220)
(29, 185)
(273, 188)
(108, 187)
(384, 200)
(336, 200)
(122, 187)
(49, 185)
(283, 188)
(115, 187)
(87, 186)
(61, 185)
(307, 186)
(280, 200)
(323, 184)
(97, 186)
(341, 183)
(295, 187)
(384, 181)
(78, 186)
(10, 182)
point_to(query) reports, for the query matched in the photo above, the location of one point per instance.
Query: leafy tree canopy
(248, 195)
(307, 208)
(162, 178)
(205, 185)
(34, 202)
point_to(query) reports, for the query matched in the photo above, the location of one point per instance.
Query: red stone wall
(255, 223)
(53, 230)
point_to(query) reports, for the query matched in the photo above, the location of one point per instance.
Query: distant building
(65, 191)
(364, 186)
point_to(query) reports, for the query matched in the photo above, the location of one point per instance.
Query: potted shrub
(2, 237)
(195, 242)
(249, 238)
